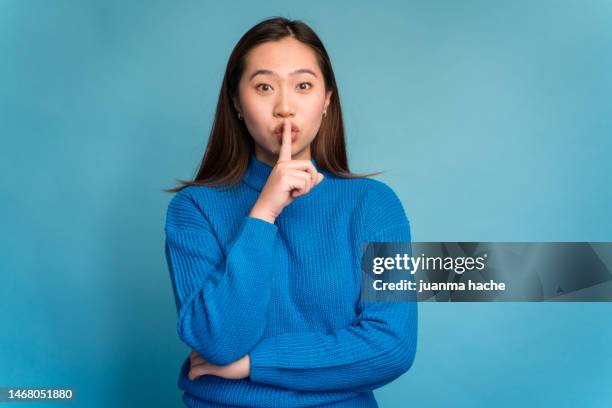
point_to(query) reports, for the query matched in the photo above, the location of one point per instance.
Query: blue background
(491, 120)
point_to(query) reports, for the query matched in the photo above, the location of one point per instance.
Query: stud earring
(325, 113)
(239, 116)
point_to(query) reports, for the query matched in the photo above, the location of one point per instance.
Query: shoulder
(377, 204)
(385, 202)
(383, 208)
(370, 192)
(186, 209)
(364, 188)
(378, 190)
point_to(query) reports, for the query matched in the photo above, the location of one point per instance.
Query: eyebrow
(268, 72)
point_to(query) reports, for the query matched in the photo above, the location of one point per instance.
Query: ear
(328, 98)
(236, 104)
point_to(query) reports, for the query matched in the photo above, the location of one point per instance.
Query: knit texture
(287, 293)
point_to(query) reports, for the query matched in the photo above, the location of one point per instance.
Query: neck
(270, 158)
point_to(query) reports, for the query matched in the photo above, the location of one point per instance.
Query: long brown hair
(230, 145)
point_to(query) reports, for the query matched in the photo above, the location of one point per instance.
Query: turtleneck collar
(257, 172)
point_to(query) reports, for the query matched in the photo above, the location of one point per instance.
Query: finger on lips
(285, 155)
(285, 150)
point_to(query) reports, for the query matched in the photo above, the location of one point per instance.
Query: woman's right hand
(288, 180)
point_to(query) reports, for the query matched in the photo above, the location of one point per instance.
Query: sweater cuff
(263, 360)
(257, 234)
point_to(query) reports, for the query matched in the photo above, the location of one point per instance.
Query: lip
(278, 131)
(279, 128)
(279, 136)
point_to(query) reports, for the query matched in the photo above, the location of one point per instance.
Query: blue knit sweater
(287, 293)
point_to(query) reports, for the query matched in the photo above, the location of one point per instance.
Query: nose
(284, 105)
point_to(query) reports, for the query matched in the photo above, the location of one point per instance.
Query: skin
(266, 99)
(266, 102)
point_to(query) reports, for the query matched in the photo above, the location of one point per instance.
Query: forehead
(282, 56)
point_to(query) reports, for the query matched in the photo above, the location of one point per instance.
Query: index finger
(285, 150)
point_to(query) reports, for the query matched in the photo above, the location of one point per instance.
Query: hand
(235, 371)
(288, 180)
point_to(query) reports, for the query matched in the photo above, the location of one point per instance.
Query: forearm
(358, 358)
(223, 320)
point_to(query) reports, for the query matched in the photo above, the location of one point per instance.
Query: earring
(239, 116)
(324, 113)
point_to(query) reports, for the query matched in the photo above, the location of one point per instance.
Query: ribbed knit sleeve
(377, 348)
(213, 291)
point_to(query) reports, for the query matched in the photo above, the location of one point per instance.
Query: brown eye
(305, 83)
(261, 85)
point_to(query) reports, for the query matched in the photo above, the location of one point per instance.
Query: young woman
(263, 246)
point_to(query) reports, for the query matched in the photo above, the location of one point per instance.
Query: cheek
(257, 112)
(255, 108)
(313, 108)
(313, 116)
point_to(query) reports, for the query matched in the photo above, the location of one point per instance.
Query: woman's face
(282, 80)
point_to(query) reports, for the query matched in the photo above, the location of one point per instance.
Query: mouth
(278, 132)
(279, 136)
